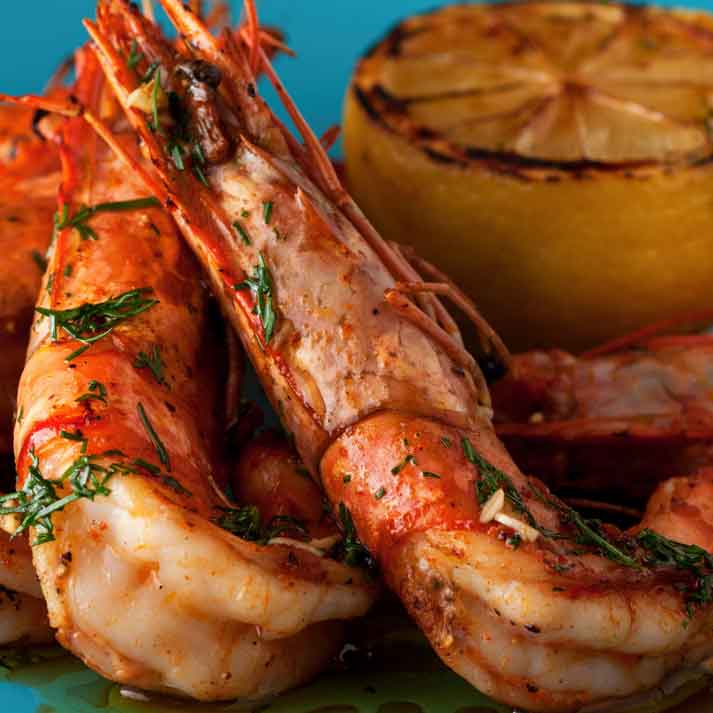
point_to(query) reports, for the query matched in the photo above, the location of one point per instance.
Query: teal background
(328, 36)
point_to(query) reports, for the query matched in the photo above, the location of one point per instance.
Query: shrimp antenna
(628, 341)
(64, 107)
(253, 35)
(60, 75)
(219, 16)
(148, 9)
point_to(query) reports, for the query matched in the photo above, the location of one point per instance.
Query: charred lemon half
(556, 159)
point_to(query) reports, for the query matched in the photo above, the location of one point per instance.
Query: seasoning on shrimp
(153, 436)
(96, 391)
(152, 360)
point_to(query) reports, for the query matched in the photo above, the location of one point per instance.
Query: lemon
(556, 159)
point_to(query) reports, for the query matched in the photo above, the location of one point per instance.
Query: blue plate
(328, 36)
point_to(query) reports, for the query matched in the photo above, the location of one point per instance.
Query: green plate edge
(410, 680)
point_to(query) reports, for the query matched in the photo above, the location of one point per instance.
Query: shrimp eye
(199, 71)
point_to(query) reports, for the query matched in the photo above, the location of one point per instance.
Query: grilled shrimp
(626, 417)
(517, 592)
(116, 456)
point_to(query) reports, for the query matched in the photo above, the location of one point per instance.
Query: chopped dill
(153, 437)
(260, 284)
(89, 322)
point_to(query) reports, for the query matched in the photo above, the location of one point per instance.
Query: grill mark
(459, 94)
(396, 121)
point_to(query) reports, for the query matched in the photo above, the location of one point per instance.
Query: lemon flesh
(555, 159)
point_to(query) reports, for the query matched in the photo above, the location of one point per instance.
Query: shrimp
(517, 592)
(625, 417)
(144, 564)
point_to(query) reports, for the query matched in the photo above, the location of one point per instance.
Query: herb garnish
(662, 552)
(134, 55)
(409, 459)
(260, 284)
(148, 76)
(514, 541)
(589, 535)
(39, 499)
(153, 436)
(172, 483)
(40, 260)
(77, 436)
(198, 161)
(491, 479)
(198, 172)
(167, 480)
(429, 474)
(97, 391)
(156, 125)
(153, 362)
(380, 493)
(446, 442)
(89, 323)
(354, 552)
(71, 435)
(267, 212)
(145, 465)
(175, 151)
(243, 522)
(246, 523)
(244, 236)
(79, 220)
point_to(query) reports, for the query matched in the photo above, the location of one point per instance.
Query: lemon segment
(554, 158)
